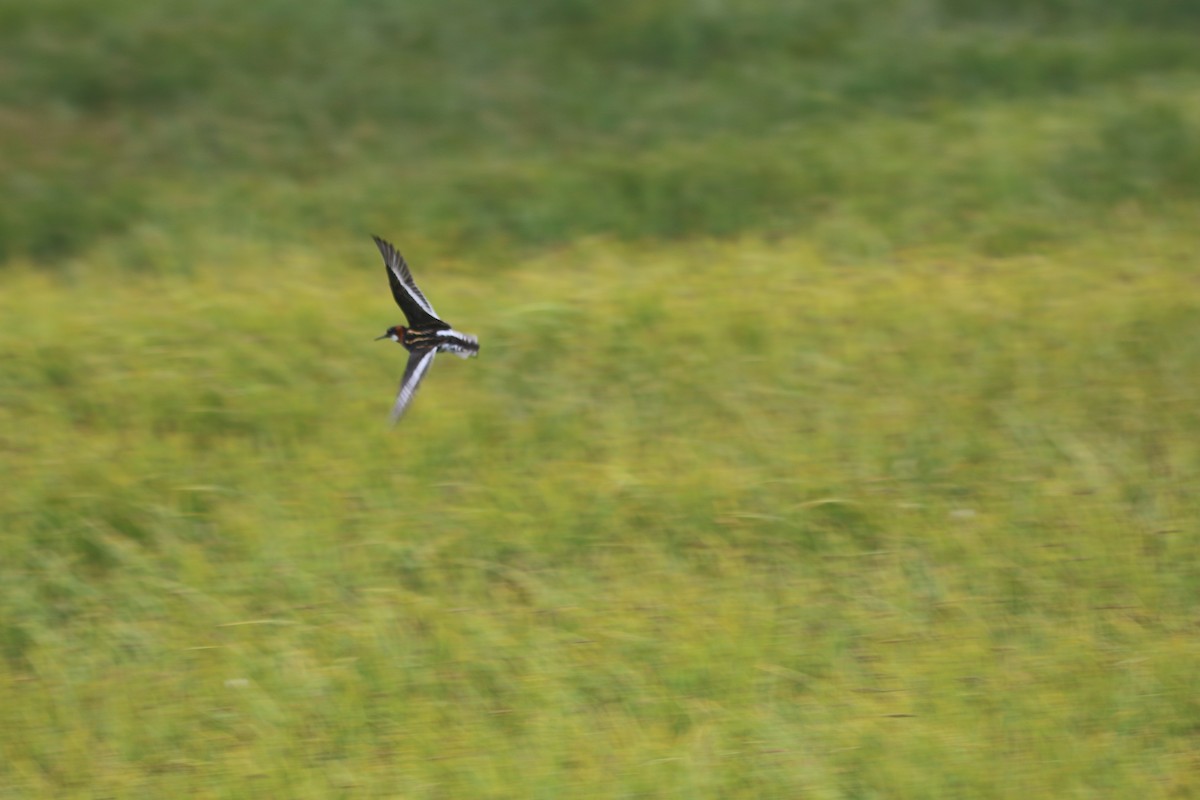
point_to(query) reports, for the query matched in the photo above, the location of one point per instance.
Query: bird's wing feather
(416, 308)
(418, 365)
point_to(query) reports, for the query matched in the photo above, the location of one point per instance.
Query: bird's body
(426, 334)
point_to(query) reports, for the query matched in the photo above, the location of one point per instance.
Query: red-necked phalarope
(426, 334)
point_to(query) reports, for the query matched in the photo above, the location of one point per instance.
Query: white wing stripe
(413, 292)
(396, 265)
(408, 388)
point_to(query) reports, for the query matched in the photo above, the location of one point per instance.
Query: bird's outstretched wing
(414, 305)
(418, 365)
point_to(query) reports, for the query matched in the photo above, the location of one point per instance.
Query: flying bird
(426, 334)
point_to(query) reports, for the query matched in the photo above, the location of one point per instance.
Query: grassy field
(835, 432)
(923, 527)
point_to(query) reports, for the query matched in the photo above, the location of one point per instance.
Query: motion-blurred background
(865, 125)
(834, 433)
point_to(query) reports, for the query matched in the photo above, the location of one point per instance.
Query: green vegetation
(482, 126)
(835, 432)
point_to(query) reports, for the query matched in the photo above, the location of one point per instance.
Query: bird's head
(395, 333)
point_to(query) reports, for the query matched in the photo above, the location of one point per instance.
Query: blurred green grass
(481, 125)
(834, 433)
(840, 532)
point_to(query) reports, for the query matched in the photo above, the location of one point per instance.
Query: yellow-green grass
(703, 520)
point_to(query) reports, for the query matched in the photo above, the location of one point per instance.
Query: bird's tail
(463, 345)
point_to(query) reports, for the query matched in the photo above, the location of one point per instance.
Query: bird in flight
(426, 334)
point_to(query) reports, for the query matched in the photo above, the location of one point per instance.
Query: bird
(426, 334)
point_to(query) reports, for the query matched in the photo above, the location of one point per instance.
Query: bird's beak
(385, 336)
